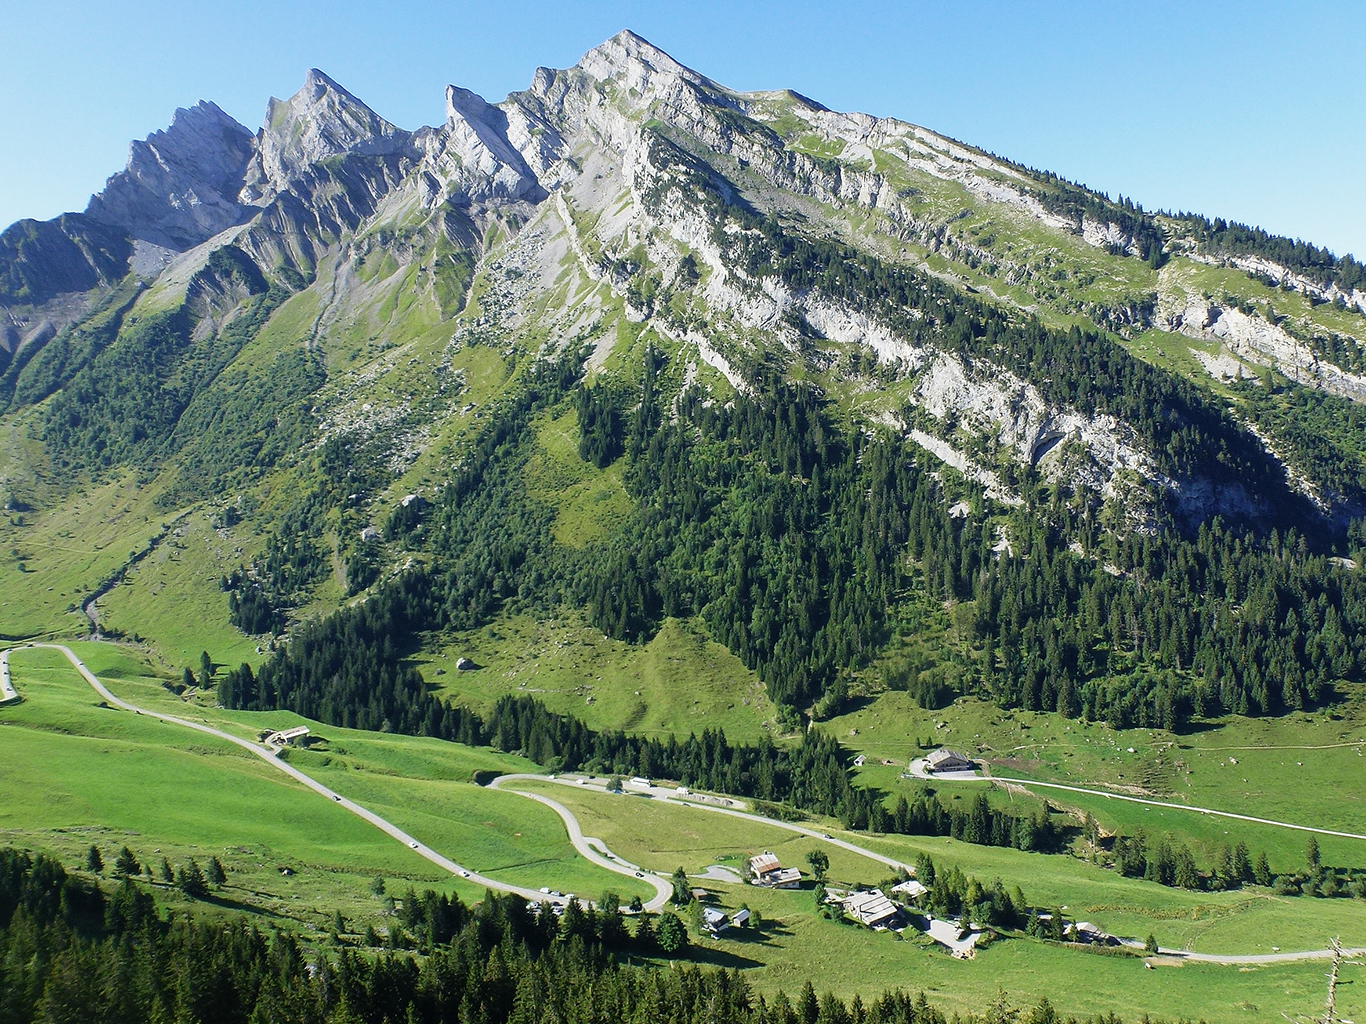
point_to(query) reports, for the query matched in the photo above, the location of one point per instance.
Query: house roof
(911, 888)
(764, 863)
(869, 907)
(944, 756)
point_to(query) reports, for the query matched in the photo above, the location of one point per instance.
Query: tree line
(70, 951)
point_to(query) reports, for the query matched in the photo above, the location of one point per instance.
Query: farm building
(871, 908)
(765, 869)
(944, 760)
(716, 921)
(859, 761)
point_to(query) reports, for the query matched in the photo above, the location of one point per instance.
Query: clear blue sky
(1253, 111)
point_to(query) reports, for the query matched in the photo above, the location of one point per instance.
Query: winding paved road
(605, 859)
(918, 771)
(267, 755)
(585, 844)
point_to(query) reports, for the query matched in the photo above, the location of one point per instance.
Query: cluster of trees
(295, 557)
(953, 894)
(1173, 864)
(1078, 204)
(190, 878)
(783, 534)
(70, 951)
(978, 823)
(1222, 237)
(123, 403)
(428, 921)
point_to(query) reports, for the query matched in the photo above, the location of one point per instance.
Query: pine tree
(1261, 871)
(671, 934)
(127, 864)
(682, 890)
(94, 863)
(215, 873)
(191, 881)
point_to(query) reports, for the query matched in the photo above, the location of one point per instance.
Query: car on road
(464, 873)
(640, 874)
(413, 845)
(336, 798)
(545, 889)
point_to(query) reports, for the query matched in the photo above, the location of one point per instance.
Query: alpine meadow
(642, 551)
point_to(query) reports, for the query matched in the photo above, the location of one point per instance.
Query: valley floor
(650, 833)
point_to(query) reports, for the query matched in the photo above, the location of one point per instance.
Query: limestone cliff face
(180, 186)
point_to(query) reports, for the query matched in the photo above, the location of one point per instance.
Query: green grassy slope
(83, 774)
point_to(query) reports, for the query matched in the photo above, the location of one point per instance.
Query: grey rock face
(180, 186)
(321, 120)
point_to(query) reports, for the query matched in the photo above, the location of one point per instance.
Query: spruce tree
(127, 864)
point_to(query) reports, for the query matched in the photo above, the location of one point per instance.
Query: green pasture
(795, 944)
(680, 681)
(85, 774)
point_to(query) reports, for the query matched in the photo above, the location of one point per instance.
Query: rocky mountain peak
(180, 185)
(478, 157)
(321, 120)
(634, 61)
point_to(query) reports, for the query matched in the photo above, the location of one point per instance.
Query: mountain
(865, 406)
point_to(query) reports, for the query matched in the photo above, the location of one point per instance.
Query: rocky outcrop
(181, 185)
(1255, 339)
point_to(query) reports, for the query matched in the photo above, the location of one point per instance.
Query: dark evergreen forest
(71, 950)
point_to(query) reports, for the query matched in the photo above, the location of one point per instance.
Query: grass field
(797, 944)
(681, 681)
(1245, 766)
(83, 774)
